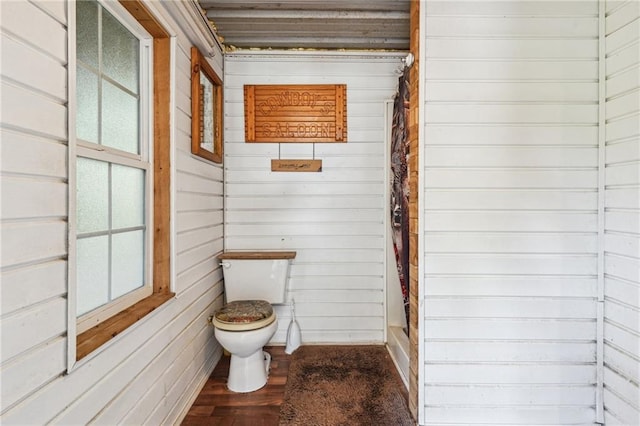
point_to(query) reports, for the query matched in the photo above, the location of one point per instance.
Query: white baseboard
(398, 347)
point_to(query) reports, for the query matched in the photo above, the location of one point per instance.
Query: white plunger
(293, 333)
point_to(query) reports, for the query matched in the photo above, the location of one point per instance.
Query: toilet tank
(256, 275)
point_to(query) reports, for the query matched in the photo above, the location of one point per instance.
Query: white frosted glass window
(86, 34)
(120, 53)
(92, 273)
(119, 119)
(92, 195)
(87, 104)
(127, 196)
(209, 100)
(112, 211)
(127, 267)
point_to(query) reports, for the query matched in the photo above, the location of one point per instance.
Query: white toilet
(252, 282)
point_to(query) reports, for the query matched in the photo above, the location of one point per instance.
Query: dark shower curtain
(400, 185)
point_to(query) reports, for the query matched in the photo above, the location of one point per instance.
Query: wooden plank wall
(149, 373)
(510, 219)
(333, 219)
(622, 214)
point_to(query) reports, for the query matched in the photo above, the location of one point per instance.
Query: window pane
(110, 197)
(87, 97)
(208, 102)
(92, 195)
(128, 262)
(119, 119)
(93, 273)
(87, 32)
(127, 195)
(120, 51)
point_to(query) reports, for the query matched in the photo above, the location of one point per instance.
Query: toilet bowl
(247, 322)
(243, 328)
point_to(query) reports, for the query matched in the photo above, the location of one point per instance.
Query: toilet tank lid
(259, 255)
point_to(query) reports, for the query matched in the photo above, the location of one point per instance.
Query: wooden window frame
(91, 339)
(199, 66)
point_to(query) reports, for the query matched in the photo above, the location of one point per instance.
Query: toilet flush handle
(225, 264)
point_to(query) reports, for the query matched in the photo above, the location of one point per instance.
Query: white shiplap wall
(34, 197)
(510, 154)
(333, 219)
(149, 373)
(622, 214)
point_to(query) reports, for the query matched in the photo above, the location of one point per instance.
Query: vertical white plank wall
(510, 218)
(150, 373)
(622, 214)
(333, 219)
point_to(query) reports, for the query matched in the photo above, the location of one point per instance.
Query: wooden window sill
(97, 336)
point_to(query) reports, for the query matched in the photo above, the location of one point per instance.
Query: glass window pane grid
(111, 231)
(92, 195)
(121, 52)
(88, 105)
(127, 272)
(93, 266)
(96, 71)
(120, 120)
(112, 155)
(105, 77)
(109, 235)
(87, 19)
(102, 76)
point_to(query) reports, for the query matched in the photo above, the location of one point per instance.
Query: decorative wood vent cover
(295, 113)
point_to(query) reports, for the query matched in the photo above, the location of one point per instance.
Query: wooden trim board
(259, 255)
(295, 113)
(296, 165)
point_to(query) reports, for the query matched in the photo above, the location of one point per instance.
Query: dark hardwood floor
(216, 405)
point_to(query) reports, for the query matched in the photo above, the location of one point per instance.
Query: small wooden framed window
(206, 109)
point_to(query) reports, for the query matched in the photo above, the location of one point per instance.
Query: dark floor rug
(344, 385)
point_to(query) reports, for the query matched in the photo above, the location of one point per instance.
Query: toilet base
(247, 374)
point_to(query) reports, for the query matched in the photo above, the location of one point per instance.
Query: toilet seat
(244, 315)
